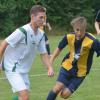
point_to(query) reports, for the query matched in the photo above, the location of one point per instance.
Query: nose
(43, 19)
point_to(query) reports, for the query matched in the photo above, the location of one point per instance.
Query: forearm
(49, 27)
(45, 60)
(97, 27)
(55, 55)
(3, 46)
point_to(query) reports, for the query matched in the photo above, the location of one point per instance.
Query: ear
(32, 16)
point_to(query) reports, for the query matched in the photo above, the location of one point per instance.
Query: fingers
(50, 73)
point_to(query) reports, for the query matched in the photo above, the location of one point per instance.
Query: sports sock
(15, 98)
(51, 96)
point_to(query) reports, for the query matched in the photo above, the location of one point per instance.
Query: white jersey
(22, 48)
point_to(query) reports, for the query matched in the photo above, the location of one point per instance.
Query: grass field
(41, 84)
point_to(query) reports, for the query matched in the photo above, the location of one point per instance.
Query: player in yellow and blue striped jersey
(77, 63)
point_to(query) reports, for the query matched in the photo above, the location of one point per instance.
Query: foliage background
(14, 13)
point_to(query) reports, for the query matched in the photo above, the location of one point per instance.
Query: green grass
(41, 85)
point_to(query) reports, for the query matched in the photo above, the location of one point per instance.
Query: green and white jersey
(22, 49)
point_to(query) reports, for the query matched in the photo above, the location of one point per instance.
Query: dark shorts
(70, 81)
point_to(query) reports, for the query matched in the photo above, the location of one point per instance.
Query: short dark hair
(36, 9)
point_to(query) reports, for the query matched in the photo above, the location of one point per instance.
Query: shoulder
(90, 35)
(26, 27)
(71, 35)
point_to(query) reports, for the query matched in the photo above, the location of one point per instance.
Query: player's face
(39, 19)
(79, 31)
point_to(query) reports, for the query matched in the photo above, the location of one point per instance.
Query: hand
(50, 72)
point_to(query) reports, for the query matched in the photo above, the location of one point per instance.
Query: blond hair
(81, 20)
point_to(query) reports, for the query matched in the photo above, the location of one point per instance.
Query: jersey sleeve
(63, 43)
(98, 16)
(15, 38)
(96, 47)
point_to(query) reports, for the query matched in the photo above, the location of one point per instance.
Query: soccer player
(47, 25)
(77, 63)
(97, 23)
(19, 50)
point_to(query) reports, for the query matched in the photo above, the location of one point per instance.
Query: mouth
(41, 23)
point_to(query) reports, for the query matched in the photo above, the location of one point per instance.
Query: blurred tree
(14, 13)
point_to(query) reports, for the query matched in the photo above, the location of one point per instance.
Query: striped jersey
(80, 57)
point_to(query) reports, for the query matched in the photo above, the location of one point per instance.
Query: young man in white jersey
(18, 51)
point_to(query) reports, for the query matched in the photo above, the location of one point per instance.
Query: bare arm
(97, 27)
(3, 46)
(49, 26)
(46, 61)
(55, 55)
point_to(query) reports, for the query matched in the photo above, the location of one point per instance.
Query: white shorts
(18, 81)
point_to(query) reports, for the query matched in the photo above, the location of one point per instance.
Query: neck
(34, 28)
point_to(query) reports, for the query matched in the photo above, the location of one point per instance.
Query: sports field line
(38, 75)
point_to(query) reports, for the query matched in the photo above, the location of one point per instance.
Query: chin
(78, 38)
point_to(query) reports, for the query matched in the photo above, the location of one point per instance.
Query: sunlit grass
(41, 85)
